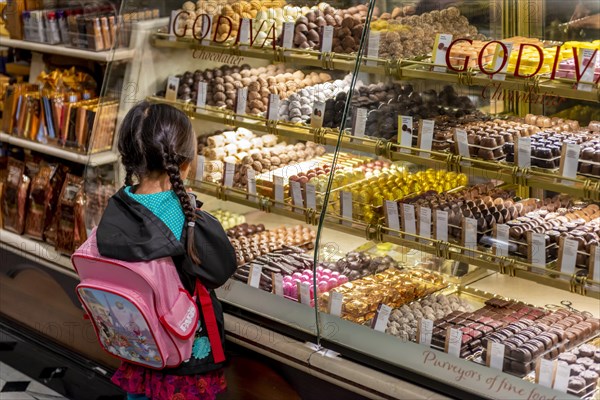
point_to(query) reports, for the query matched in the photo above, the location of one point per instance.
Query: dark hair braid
(186, 204)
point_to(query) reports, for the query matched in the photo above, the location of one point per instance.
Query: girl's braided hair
(160, 138)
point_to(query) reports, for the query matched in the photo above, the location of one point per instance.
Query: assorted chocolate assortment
(584, 364)
(356, 265)
(227, 218)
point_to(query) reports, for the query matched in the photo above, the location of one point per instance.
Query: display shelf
(40, 252)
(578, 187)
(397, 68)
(100, 56)
(93, 160)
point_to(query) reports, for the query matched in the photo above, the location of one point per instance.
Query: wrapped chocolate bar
(67, 222)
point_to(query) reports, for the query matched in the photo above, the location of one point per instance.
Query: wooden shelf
(100, 56)
(103, 158)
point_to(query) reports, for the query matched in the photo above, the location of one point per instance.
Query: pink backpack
(140, 311)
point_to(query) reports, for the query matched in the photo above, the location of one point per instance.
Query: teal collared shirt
(166, 207)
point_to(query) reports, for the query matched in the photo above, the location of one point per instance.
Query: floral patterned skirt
(158, 386)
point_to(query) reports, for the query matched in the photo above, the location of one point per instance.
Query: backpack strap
(210, 321)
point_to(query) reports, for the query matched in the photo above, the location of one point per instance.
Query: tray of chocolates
(584, 365)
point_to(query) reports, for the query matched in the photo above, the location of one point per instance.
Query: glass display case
(412, 185)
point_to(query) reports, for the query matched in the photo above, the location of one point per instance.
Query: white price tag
(326, 38)
(391, 215)
(244, 32)
(470, 234)
(587, 64)
(537, 248)
(501, 237)
(207, 29)
(568, 256)
(495, 355)
(278, 189)
(288, 35)
(462, 143)
(318, 112)
(346, 207)
(382, 316)
(173, 22)
(229, 174)
(373, 47)
(251, 174)
(409, 220)
(595, 267)
(425, 139)
(405, 128)
(297, 195)
(425, 223)
(453, 341)
(201, 99)
(273, 110)
(440, 47)
(561, 377)
(304, 292)
(172, 88)
(278, 284)
(241, 99)
(441, 225)
(424, 331)
(254, 276)
(311, 196)
(501, 56)
(200, 168)
(569, 160)
(523, 153)
(335, 303)
(544, 372)
(359, 122)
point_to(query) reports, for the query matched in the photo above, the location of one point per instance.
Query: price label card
(409, 220)
(544, 372)
(373, 47)
(426, 128)
(288, 35)
(326, 38)
(501, 239)
(425, 223)
(304, 292)
(495, 355)
(424, 331)
(244, 32)
(405, 128)
(359, 122)
(346, 207)
(172, 88)
(382, 316)
(500, 61)
(297, 195)
(440, 47)
(568, 256)
(241, 99)
(470, 234)
(201, 99)
(173, 22)
(453, 341)
(462, 143)
(569, 160)
(594, 273)
(335, 303)
(441, 225)
(273, 110)
(200, 168)
(587, 64)
(229, 174)
(316, 119)
(391, 215)
(251, 174)
(537, 249)
(523, 153)
(561, 377)
(278, 189)
(254, 276)
(311, 196)
(277, 284)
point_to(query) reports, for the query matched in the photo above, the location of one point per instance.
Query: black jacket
(128, 231)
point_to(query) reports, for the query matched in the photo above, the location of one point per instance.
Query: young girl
(157, 218)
